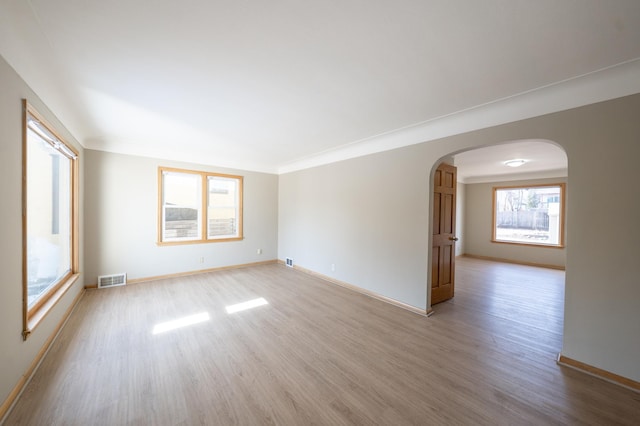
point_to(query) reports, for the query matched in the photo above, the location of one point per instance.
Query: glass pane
(48, 216)
(528, 215)
(222, 211)
(181, 206)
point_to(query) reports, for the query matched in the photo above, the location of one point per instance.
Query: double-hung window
(50, 214)
(198, 207)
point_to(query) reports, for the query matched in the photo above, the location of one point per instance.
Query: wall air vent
(112, 280)
(289, 262)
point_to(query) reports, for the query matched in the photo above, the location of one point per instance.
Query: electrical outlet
(333, 267)
(259, 251)
(202, 260)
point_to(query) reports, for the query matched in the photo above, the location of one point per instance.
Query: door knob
(453, 238)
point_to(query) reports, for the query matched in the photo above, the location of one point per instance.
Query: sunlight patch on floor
(246, 305)
(181, 322)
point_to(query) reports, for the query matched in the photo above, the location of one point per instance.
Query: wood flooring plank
(319, 354)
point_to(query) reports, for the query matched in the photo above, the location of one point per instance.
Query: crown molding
(602, 85)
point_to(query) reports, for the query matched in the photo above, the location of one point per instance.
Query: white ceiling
(282, 85)
(543, 160)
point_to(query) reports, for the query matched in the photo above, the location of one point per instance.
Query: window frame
(203, 238)
(33, 315)
(561, 224)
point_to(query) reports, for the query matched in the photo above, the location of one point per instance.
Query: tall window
(529, 215)
(198, 207)
(50, 204)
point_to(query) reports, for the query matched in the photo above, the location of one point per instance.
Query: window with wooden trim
(531, 215)
(198, 207)
(50, 217)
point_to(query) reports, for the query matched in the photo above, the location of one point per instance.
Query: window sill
(213, 240)
(36, 317)
(516, 243)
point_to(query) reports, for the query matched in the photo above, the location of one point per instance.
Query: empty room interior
(409, 212)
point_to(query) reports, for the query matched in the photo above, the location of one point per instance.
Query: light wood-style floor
(319, 354)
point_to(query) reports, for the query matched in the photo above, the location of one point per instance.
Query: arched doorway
(482, 169)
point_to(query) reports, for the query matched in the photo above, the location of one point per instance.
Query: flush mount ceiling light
(515, 163)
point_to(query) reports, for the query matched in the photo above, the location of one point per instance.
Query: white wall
(333, 214)
(17, 355)
(122, 220)
(479, 223)
(461, 226)
(354, 214)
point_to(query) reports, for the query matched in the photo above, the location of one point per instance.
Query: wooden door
(444, 234)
